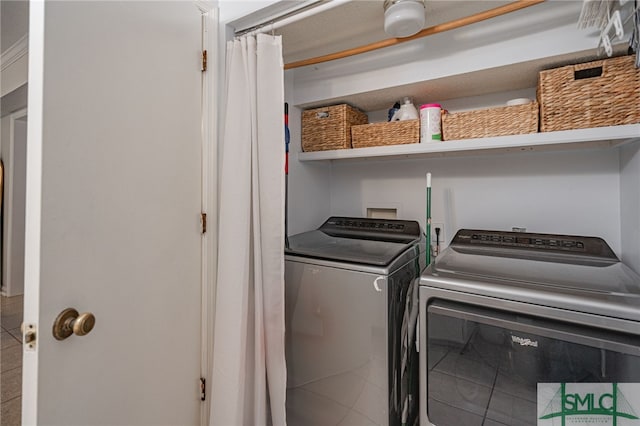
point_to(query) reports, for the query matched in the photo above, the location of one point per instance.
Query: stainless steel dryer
(350, 311)
(501, 312)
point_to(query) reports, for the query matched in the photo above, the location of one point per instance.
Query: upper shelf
(600, 137)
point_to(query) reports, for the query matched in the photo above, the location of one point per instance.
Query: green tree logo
(589, 404)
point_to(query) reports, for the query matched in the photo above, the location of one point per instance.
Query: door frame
(8, 203)
(33, 207)
(210, 90)
(33, 204)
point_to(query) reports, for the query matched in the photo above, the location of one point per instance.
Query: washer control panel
(591, 246)
(366, 228)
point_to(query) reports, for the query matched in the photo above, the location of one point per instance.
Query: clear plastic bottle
(407, 111)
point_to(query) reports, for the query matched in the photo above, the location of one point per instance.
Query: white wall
(14, 210)
(14, 22)
(567, 192)
(14, 144)
(14, 65)
(14, 76)
(309, 183)
(4, 137)
(630, 204)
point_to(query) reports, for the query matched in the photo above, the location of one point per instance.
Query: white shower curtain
(249, 371)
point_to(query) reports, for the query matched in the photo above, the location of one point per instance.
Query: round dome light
(403, 18)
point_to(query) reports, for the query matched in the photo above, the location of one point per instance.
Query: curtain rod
(457, 23)
(291, 17)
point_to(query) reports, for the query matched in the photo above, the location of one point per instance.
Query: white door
(113, 211)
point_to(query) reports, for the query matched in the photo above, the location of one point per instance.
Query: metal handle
(376, 285)
(551, 329)
(70, 322)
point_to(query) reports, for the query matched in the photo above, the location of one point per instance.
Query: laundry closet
(584, 182)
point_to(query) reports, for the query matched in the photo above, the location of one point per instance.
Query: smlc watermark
(615, 404)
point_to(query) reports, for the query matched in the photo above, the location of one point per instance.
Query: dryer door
(486, 366)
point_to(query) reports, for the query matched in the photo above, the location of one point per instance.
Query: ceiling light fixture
(403, 18)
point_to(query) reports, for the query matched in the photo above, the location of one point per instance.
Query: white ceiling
(231, 10)
(14, 22)
(361, 22)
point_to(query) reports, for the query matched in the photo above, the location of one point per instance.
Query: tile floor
(351, 398)
(11, 360)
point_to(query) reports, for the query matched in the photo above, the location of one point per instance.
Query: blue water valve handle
(287, 136)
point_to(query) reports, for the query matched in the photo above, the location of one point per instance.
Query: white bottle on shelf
(406, 112)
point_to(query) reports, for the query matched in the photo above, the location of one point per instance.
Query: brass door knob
(70, 322)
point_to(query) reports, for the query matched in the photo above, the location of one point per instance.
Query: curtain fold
(249, 370)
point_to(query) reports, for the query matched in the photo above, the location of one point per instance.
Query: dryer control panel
(575, 245)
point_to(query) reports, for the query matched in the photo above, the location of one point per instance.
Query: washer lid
(594, 276)
(318, 244)
(357, 240)
(585, 277)
(570, 262)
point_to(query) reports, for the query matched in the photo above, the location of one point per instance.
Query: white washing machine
(350, 317)
(506, 318)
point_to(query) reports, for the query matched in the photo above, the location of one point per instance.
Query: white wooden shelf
(600, 137)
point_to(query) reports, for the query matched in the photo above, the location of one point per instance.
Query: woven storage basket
(593, 94)
(484, 123)
(386, 133)
(329, 127)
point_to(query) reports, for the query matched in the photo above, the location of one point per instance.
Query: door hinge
(203, 388)
(203, 218)
(204, 60)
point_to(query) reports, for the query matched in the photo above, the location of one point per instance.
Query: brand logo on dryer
(522, 341)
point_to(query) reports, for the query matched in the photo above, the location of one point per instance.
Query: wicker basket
(484, 123)
(593, 94)
(329, 127)
(385, 133)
